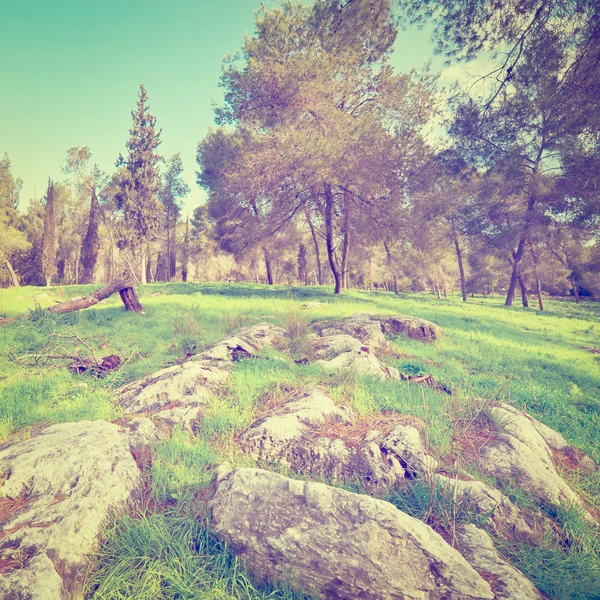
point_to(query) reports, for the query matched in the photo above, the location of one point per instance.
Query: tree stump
(130, 300)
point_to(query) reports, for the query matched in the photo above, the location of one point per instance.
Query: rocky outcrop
(299, 434)
(508, 583)
(360, 361)
(336, 544)
(58, 489)
(413, 327)
(176, 395)
(361, 326)
(370, 328)
(511, 461)
(505, 519)
(541, 438)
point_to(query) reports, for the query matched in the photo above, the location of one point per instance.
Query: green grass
(167, 557)
(536, 361)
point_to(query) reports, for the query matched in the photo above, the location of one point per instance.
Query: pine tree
(138, 197)
(174, 189)
(49, 237)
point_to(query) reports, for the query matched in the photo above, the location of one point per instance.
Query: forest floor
(547, 363)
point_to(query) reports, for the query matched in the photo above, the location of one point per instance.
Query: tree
(90, 181)
(140, 184)
(322, 126)
(174, 189)
(12, 226)
(49, 237)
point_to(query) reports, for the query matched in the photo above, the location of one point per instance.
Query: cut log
(123, 286)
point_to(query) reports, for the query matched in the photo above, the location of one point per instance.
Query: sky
(71, 71)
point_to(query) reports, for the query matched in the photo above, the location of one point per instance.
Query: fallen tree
(123, 286)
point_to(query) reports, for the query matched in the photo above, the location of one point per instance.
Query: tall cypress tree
(140, 187)
(49, 237)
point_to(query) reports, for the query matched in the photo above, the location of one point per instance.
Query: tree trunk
(91, 243)
(316, 244)
(13, 276)
(130, 300)
(514, 279)
(575, 289)
(268, 266)
(346, 244)
(112, 268)
(461, 268)
(143, 264)
(186, 250)
(329, 238)
(149, 268)
(524, 297)
(538, 283)
(168, 273)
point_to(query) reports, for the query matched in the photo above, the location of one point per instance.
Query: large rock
(190, 384)
(298, 435)
(413, 327)
(359, 362)
(58, 489)
(511, 461)
(336, 544)
(176, 395)
(361, 326)
(505, 519)
(245, 343)
(508, 583)
(542, 439)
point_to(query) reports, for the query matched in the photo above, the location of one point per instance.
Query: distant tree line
(322, 168)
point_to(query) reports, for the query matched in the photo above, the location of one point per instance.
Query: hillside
(489, 360)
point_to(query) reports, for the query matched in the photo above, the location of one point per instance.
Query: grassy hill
(542, 362)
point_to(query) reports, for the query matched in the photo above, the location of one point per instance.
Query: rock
(361, 326)
(326, 348)
(142, 432)
(506, 520)
(337, 544)
(511, 461)
(363, 362)
(519, 425)
(62, 484)
(176, 395)
(188, 384)
(508, 583)
(296, 435)
(413, 327)
(245, 344)
(269, 439)
(405, 442)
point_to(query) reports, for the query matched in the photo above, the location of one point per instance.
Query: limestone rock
(336, 544)
(520, 424)
(361, 326)
(363, 362)
(510, 460)
(292, 436)
(506, 520)
(189, 384)
(62, 484)
(328, 347)
(413, 327)
(270, 438)
(405, 442)
(521, 427)
(245, 344)
(509, 583)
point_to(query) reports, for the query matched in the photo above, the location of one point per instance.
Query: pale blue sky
(71, 71)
